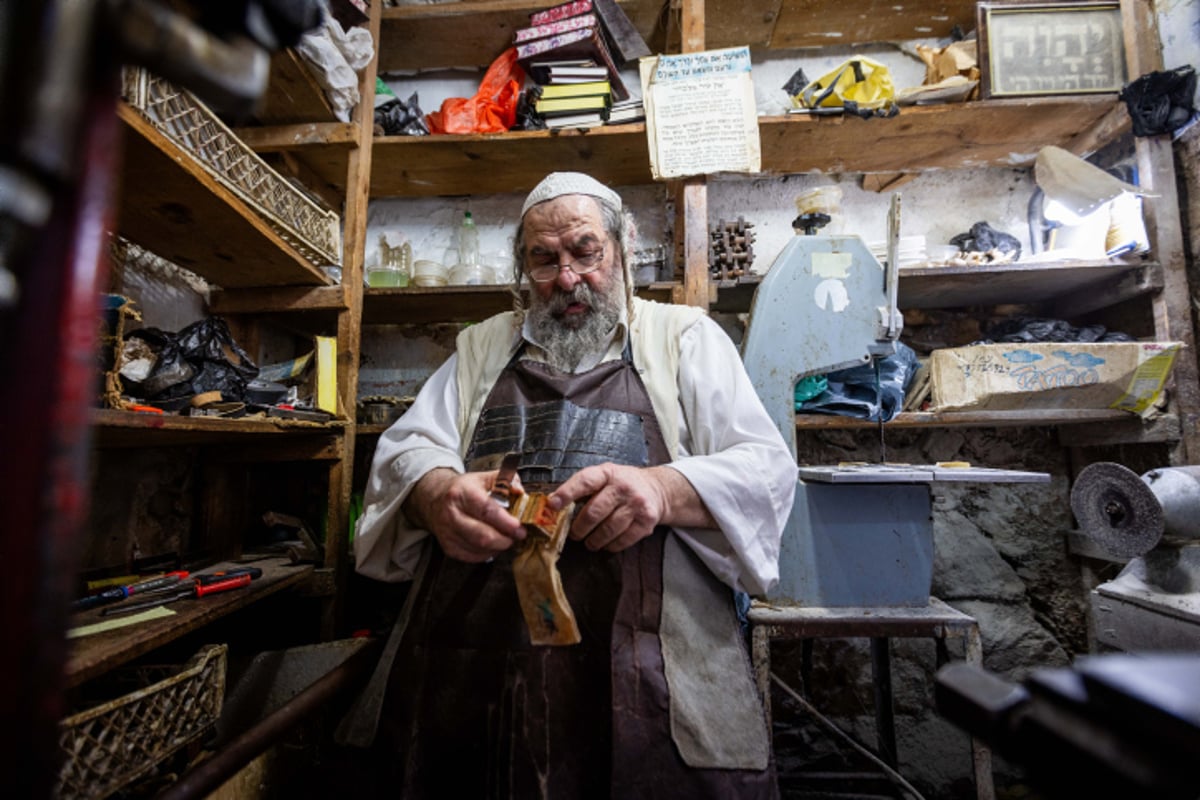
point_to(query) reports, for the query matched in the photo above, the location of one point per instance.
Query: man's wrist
(419, 505)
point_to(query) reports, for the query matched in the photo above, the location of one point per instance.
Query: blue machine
(861, 535)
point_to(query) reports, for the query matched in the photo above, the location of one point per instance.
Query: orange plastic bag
(493, 109)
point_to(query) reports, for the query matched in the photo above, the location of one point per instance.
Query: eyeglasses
(582, 264)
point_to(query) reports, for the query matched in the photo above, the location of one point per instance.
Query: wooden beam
(1156, 171)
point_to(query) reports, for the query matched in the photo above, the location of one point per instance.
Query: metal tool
(200, 586)
(1153, 520)
(1115, 725)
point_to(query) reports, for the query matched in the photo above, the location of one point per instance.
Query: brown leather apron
(472, 709)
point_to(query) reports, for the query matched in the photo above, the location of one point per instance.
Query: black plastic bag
(1161, 102)
(983, 238)
(1017, 330)
(397, 118)
(873, 391)
(203, 357)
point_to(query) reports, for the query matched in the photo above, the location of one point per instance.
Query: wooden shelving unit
(1073, 285)
(180, 212)
(95, 654)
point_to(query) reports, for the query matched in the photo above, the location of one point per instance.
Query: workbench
(936, 621)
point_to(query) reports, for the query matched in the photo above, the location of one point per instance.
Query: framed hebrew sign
(1028, 49)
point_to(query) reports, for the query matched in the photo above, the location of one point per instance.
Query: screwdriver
(118, 593)
(201, 586)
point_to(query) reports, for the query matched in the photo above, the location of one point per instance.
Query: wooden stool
(936, 621)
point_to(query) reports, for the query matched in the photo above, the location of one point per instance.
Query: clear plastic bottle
(468, 241)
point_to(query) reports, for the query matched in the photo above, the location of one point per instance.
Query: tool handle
(223, 584)
(213, 577)
(100, 599)
(161, 582)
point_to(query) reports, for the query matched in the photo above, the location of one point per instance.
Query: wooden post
(1156, 173)
(691, 194)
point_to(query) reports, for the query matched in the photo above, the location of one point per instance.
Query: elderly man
(641, 415)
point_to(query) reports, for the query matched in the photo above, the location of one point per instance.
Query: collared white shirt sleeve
(735, 458)
(386, 546)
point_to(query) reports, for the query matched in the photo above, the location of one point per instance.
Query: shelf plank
(473, 33)
(952, 286)
(91, 656)
(1105, 282)
(119, 428)
(972, 419)
(1005, 133)
(419, 305)
(776, 24)
(293, 94)
(986, 133)
(283, 300)
(178, 210)
(460, 164)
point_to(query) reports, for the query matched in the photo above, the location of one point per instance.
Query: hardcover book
(575, 89)
(556, 106)
(585, 119)
(562, 11)
(583, 43)
(551, 28)
(626, 43)
(578, 71)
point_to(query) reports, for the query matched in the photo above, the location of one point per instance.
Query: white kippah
(557, 184)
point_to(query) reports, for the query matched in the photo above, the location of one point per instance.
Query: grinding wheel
(1114, 506)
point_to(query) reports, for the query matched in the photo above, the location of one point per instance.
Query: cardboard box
(1013, 377)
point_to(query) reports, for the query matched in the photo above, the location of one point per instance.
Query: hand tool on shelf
(118, 593)
(199, 586)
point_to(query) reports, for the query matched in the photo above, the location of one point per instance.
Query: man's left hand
(626, 503)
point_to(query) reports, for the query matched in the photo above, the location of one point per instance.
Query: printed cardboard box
(1012, 377)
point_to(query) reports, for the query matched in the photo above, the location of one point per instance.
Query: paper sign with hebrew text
(700, 113)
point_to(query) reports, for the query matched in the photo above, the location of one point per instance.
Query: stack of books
(573, 105)
(580, 41)
(625, 112)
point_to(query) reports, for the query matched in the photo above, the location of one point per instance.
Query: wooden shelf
(987, 419)
(493, 163)
(1006, 133)
(772, 24)
(118, 428)
(91, 656)
(176, 209)
(475, 33)
(427, 305)
(1072, 286)
(985, 133)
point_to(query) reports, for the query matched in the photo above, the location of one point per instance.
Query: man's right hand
(457, 509)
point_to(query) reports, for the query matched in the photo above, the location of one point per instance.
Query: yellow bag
(860, 86)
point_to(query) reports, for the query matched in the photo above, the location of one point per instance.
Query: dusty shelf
(425, 305)
(1076, 286)
(118, 428)
(94, 655)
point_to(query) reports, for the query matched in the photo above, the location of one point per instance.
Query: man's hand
(627, 503)
(456, 508)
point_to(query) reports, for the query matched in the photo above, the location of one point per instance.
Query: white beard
(567, 345)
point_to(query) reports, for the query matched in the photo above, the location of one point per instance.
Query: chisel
(202, 586)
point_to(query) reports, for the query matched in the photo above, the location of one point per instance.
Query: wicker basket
(110, 745)
(312, 230)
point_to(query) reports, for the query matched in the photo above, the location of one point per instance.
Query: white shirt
(729, 450)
